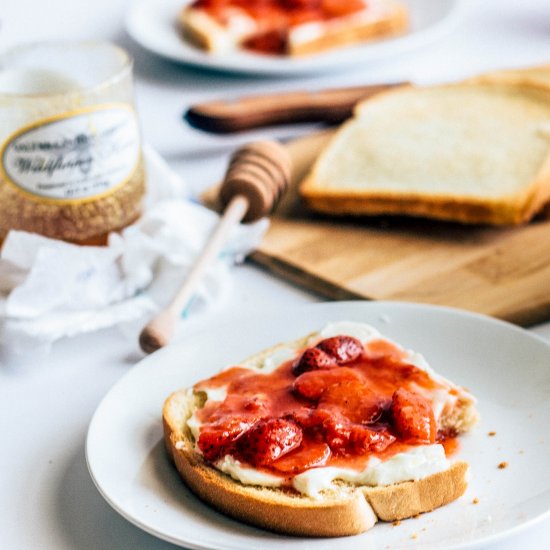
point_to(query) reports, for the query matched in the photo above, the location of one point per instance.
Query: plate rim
(144, 363)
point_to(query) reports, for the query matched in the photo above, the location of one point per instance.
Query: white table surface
(47, 499)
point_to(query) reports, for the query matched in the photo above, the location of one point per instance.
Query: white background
(47, 499)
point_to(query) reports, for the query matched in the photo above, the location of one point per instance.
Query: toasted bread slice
(539, 75)
(380, 19)
(475, 152)
(344, 509)
(234, 27)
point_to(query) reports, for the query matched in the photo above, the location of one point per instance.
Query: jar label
(75, 156)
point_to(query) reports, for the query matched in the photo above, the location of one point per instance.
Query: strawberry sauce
(336, 403)
(274, 18)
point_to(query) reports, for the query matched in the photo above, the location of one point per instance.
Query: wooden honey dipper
(257, 176)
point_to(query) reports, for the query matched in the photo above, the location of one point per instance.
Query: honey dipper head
(261, 172)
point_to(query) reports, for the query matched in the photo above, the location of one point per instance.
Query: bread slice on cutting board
(475, 152)
(538, 74)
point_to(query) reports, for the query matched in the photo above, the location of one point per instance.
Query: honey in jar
(71, 166)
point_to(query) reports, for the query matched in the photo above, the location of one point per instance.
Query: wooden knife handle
(333, 106)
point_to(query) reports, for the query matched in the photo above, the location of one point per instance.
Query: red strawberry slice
(313, 455)
(329, 353)
(343, 348)
(413, 417)
(269, 440)
(301, 4)
(351, 438)
(218, 439)
(316, 422)
(257, 405)
(327, 424)
(354, 400)
(313, 359)
(337, 8)
(364, 440)
(312, 385)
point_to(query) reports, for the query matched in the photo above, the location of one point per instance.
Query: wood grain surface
(500, 272)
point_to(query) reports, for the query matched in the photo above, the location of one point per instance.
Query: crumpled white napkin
(51, 289)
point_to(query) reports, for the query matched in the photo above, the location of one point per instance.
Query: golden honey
(70, 151)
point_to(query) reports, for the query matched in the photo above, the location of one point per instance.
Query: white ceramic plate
(152, 23)
(507, 368)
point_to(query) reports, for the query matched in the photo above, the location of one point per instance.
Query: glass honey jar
(71, 166)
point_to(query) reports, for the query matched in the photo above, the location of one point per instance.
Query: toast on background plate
(322, 436)
(475, 152)
(289, 27)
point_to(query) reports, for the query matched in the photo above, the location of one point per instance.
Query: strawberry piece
(343, 348)
(413, 417)
(313, 455)
(329, 353)
(337, 8)
(217, 439)
(350, 438)
(315, 421)
(256, 404)
(301, 4)
(354, 400)
(273, 41)
(312, 385)
(363, 439)
(336, 432)
(313, 359)
(269, 440)
(327, 424)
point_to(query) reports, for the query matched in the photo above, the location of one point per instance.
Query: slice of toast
(475, 152)
(538, 74)
(341, 508)
(286, 28)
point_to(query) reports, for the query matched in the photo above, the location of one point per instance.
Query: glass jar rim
(126, 66)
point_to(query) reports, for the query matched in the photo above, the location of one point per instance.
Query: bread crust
(348, 510)
(513, 209)
(456, 209)
(206, 33)
(200, 29)
(538, 75)
(404, 500)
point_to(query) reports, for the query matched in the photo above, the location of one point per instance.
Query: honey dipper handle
(159, 331)
(245, 113)
(257, 176)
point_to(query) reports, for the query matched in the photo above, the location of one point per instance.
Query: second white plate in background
(153, 24)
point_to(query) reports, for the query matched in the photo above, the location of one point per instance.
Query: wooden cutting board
(500, 272)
